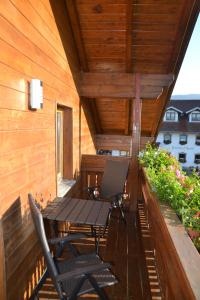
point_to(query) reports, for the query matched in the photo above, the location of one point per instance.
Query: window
(104, 152)
(113, 152)
(182, 157)
(195, 116)
(171, 116)
(198, 140)
(183, 139)
(197, 158)
(64, 154)
(167, 138)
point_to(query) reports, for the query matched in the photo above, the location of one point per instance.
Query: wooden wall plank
(2, 265)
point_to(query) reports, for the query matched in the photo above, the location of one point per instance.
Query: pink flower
(197, 215)
(178, 173)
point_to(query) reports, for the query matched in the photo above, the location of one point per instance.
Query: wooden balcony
(151, 257)
(108, 69)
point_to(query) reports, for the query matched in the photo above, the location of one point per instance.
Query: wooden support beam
(129, 35)
(136, 134)
(95, 115)
(122, 85)
(75, 24)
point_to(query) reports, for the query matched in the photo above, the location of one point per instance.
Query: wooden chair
(112, 186)
(79, 275)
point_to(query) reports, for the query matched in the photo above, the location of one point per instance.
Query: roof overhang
(193, 109)
(174, 108)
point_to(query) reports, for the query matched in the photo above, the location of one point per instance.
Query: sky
(188, 81)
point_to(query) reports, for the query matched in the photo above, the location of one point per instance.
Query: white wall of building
(175, 148)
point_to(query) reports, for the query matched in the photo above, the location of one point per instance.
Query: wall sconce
(36, 94)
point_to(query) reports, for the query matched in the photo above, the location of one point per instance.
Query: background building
(180, 131)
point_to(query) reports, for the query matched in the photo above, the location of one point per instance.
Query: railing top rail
(97, 162)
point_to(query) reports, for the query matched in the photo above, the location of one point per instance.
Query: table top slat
(82, 218)
(94, 213)
(63, 215)
(75, 212)
(56, 209)
(103, 214)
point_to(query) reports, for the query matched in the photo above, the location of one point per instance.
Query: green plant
(172, 186)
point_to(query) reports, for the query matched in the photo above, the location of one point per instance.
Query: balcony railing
(177, 259)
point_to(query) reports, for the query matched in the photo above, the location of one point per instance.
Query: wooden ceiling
(118, 37)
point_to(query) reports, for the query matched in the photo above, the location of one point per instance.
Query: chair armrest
(79, 272)
(68, 238)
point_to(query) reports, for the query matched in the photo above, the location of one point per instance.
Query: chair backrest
(114, 177)
(39, 227)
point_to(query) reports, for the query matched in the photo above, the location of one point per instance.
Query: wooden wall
(32, 46)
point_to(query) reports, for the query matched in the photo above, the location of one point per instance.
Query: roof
(183, 125)
(184, 105)
(116, 39)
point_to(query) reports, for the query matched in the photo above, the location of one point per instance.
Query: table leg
(100, 231)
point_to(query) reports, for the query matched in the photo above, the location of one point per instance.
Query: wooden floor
(133, 265)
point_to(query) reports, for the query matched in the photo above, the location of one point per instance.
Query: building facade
(180, 132)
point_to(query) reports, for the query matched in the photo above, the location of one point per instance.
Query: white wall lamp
(36, 94)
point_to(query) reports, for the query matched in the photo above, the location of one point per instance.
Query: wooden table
(80, 211)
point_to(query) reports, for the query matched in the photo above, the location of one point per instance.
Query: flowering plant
(172, 186)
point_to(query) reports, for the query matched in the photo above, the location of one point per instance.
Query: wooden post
(135, 145)
(2, 266)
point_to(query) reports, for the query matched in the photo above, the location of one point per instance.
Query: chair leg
(99, 290)
(74, 294)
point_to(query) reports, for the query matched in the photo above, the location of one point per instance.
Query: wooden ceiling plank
(96, 7)
(129, 36)
(127, 116)
(75, 24)
(181, 31)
